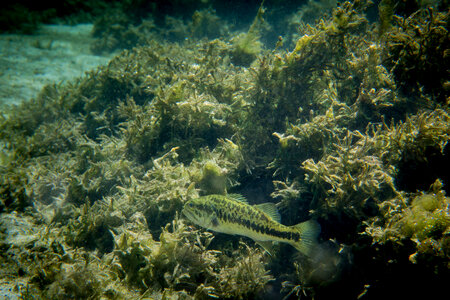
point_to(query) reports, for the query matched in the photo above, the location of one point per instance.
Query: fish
(231, 214)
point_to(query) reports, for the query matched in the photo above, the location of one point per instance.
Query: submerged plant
(425, 221)
(247, 46)
(346, 180)
(180, 261)
(420, 40)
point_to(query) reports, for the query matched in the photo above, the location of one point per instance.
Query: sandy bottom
(55, 53)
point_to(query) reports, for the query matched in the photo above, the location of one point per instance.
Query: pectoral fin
(267, 245)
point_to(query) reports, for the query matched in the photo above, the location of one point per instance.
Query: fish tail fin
(309, 231)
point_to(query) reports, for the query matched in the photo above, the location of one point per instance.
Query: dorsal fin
(238, 197)
(271, 210)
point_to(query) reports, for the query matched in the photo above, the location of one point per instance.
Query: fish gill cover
(343, 119)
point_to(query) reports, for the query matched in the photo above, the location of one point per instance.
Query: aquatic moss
(90, 227)
(386, 13)
(163, 189)
(427, 217)
(246, 46)
(124, 29)
(245, 276)
(311, 139)
(158, 194)
(180, 263)
(310, 12)
(329, 66)
(418, 144)
(43, 265)
(213, 180)
(115, 30)
(13, 190)
(205, 23)
(424, 222)
(347, 179)
(355, 172)
(420, 40)
(78, 283)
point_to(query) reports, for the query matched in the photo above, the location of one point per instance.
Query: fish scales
(228, 215)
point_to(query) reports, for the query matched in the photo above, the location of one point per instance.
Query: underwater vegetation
(346, 121)
(418, 52)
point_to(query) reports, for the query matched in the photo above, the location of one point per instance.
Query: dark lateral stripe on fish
(233, 215)
(260, 228)
(233, 218)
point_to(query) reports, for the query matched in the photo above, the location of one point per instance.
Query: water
(323, 116)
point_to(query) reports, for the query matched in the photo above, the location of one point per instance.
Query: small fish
(231, 214)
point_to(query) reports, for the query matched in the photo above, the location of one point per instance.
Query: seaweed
(247, 46)
(12, 190)
(416, 50)
(205, 23)
(180, 261)
(386, 14)
(424, 222)
(350, 179)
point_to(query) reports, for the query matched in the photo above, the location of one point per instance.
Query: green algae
(428, 29)
(103, 165)
(247, 46)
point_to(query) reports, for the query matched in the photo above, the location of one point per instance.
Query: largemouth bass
(231, 214)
